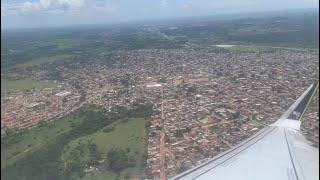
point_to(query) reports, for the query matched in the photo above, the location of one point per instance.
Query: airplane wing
(277, 152)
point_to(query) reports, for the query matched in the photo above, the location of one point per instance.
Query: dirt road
(162, 141)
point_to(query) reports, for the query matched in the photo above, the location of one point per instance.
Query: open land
(14, 85)
(44, 60)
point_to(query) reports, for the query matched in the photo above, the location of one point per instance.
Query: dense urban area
(203, 102)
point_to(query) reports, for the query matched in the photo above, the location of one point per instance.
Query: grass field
(251, 49)
(13, 85)
(44, 60)
(130, 134)
(259, 48)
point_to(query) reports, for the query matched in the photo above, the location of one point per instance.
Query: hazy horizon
(55, 13)
(212, 17)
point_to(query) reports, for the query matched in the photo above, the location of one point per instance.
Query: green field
(260, 48)
(44, 60)
(13, 85)
(129, 134)
(64, 146)
(250, 49)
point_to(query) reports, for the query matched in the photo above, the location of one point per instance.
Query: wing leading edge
(277, 152)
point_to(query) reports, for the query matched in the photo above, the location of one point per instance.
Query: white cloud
(187, 4)
(104, 6)
(45, 6)
(27, 7)
(164, 3)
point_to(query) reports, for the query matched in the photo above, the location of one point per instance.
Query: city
(204, 102)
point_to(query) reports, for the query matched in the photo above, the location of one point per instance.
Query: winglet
(293, 116)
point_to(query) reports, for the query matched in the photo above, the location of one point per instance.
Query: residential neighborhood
(204, 102)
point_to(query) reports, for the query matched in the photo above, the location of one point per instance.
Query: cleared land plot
(13, 85)
(254, 49)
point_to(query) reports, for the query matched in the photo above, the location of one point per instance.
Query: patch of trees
(141, 111)
(192, 89)
(55, 75)
(167, 139)
(162, 80)
(108, 129)
(76, 85)
(236, 115)
(16, 153)
(199, 149)
(64, 100)
(82, 96)
(11, 138)
(182, 168)
(118, 160)
(180, 132)
(148, 124)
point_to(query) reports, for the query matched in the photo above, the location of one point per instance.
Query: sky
(50, 13)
